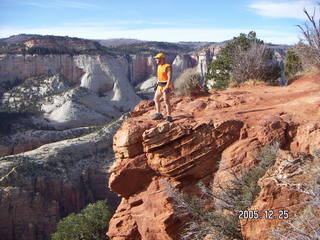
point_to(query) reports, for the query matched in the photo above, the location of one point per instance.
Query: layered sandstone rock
(15, 67)
(227, 127)
(62, 177)
(150, 156)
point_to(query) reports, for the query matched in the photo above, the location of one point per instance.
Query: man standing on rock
(164, 86)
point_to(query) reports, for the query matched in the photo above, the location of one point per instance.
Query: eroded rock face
(32, 139)
(39, 187)
(18, 67)
(141, 67)
(157, 221)
(181, 63)
(148, 157)
(72, 91)
(186, 151)
(284, 187)
(307, 138)
(229, 126)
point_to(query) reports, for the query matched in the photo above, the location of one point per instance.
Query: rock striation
(211, 136)
(149, 157)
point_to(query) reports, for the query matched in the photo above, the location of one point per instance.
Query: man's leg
(166, 97)
(156, 99)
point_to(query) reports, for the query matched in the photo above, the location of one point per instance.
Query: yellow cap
(159, 55)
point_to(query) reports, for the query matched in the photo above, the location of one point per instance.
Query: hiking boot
(169, 119)
(157, 116)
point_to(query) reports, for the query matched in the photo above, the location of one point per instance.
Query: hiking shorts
(162, 86)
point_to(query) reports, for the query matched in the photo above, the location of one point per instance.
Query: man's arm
(169, 73)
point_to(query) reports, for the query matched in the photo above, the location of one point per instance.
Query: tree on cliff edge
(243, 58)
(90, 224)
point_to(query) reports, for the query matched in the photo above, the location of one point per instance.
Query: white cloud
(60, 4)
(283, 9)
(119, 23)
(155, 34)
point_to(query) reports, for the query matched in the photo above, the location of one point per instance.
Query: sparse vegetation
(308, 49)
(293, 64)
(90, 224)
(239, 194)
(188, 82)
(245, 57)
(306, 224)
(8, 119)
(24, 98)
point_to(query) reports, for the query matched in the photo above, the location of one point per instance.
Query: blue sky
(166, 20)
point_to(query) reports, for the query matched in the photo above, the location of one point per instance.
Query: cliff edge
(209, 136)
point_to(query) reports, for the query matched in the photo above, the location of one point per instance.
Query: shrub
(202, 222)
(223, 221)
(188, 82)
(306, 224)
(243, 58)
(218, 75)
(243, 189)
(293, 64)
(309, 56)
(90, 224)
(253, 63)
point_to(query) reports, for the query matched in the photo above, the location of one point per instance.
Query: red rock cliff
(227, 125)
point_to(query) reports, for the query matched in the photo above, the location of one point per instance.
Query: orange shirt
(162, 72)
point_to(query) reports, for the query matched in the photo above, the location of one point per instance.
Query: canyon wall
(41, 186)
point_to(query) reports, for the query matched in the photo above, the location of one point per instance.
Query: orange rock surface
(223, 125)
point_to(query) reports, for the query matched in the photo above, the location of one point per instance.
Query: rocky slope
(229, 127)
(39, 187)
(74, 90)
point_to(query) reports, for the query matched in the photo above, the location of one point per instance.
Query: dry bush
(188, 82)
(306, 224)
(240, 193)
(201, 221)
(248, 64)
(253, 63)
(254, 82)
(221, 221)
(309, 56)
(308, 49)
